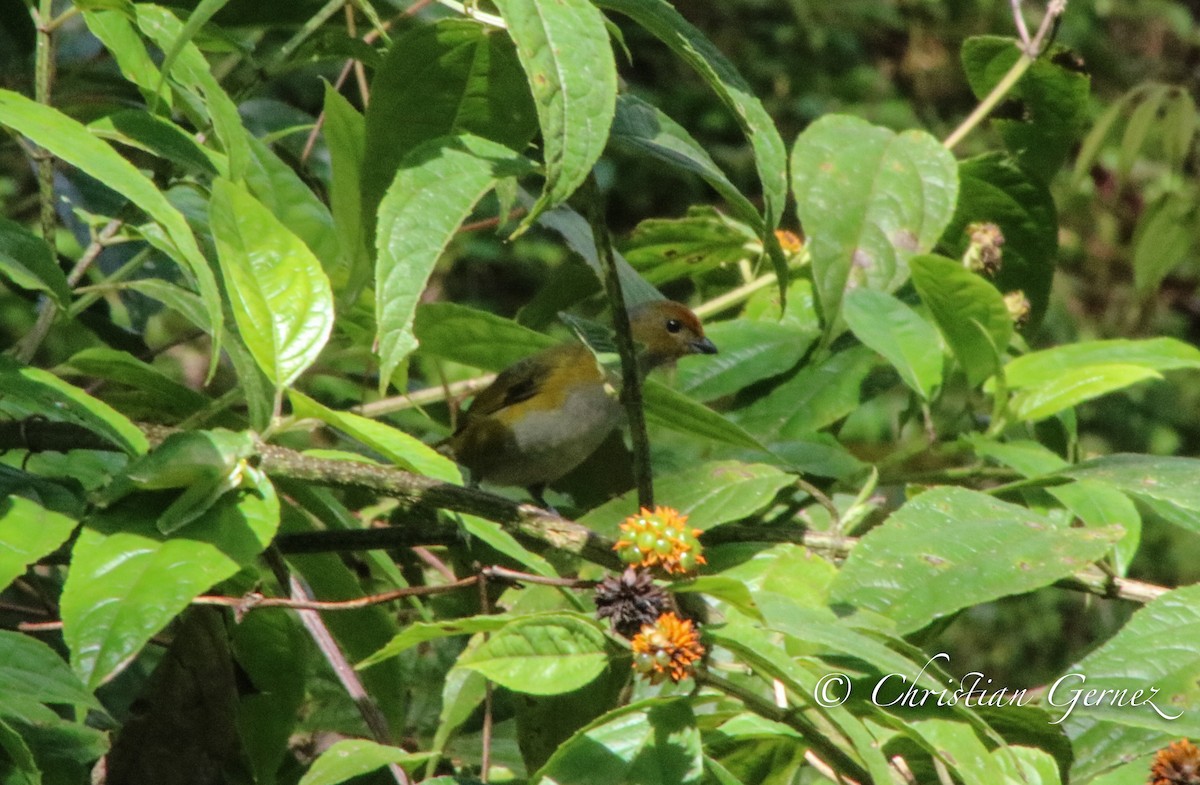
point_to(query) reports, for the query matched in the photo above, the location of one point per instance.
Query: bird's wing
(514, 384)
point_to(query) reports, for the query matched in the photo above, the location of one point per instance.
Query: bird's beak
(703, 346)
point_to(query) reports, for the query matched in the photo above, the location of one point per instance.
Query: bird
(544, 415)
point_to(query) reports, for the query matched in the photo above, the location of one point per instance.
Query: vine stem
(1030, 51)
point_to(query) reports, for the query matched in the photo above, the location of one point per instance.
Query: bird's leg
(537, 491)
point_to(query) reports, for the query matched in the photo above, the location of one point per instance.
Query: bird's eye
(674, 325)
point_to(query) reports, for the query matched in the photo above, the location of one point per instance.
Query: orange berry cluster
(667, 649)
(660, 539)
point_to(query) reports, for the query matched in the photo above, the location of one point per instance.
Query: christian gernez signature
(1067, 693)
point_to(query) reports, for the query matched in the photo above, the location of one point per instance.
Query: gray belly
(549, 444)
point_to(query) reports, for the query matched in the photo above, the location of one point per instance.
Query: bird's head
(668, 331)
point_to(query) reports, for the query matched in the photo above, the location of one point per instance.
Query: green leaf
(950, 548)
(27, 261)
(969, 312)
(564, 49)
(71, 142)
(818, 395)
(665, 249)
(114, 28)
(1166, 484)
(709, 494)
(642, 128)
(345, 136)
(350, 758)
(124, 368)
(30, 671)
(277, 186)
(654, 741)
(956, 744)
(280, 296)
(465, 79)
(750, 352)
(1050, 99)
(422, 632)
(28, 532)
(869, 200)
(994, 189)
(151, 133)
(662, 21)
(393, 444)
(204, 11)
(128, 580)
(32, 392)
(1147, 110)
(191, 73)
(1093, 502)
(474, 337)
(21, 768)
(1159, 354)
(273, 652)
(576, 232)
(1075, 386)
(1165, 237)
(670, 409)
(542, 655)
(437, 185)
(1156, 652)
(495, 536)
(759, 649)
(896, 331)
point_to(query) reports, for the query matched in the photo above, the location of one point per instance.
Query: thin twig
(346, 675)
(631, 379)
(1029, 54)
(1022, 30)
(43, 84)
(360, 73)
(27, 347)
(369, 38)
(485, 757)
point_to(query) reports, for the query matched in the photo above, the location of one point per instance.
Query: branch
(532, 525)
(631, 379)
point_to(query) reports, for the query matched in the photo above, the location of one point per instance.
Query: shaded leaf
(653, 741)
(27, 261)
(33, 392)
(993, 189)
(1053, 100)
(642, 128)
(465, 79)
